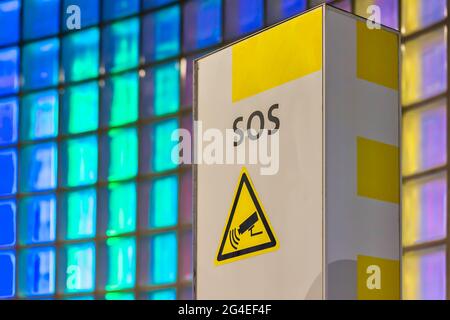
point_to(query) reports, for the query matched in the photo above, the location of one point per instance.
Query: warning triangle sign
(248, 231)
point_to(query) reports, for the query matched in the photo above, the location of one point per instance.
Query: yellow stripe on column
(377, 170)
(281, 54)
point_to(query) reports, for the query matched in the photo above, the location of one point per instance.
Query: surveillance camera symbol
(245, 226)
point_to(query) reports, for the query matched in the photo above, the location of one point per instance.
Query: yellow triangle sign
(248, 231)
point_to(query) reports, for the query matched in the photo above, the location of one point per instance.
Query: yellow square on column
(377, 170)
(378, 279)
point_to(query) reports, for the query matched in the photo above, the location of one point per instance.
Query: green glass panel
(81, 106)
(121, 263)
(124, 99)
(123, 157)
(167, 86)
(164, 145)
(164, 202)
(81, 161)
(81, 214)
(119, 296)
(122, 208)
(80, 272)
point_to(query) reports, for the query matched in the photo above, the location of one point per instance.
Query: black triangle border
(273, 241)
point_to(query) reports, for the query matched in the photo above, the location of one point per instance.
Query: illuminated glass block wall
(91, 205)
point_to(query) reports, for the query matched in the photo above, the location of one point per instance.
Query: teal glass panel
(119, 296)
(38, 167)
(122, 208)
(121, 263)
(37, 272)
(161, 33)
(39, 115)
(123, 154)
(121, 99)
(40, 64)
(163, 258)
(164, 202)
(9, 70)
(80, 108)
(121, 45)
(163, 145)
(37, 219)
(80, 160)
(166, 294)
(81, 214)
(80, 55)
(80, 268)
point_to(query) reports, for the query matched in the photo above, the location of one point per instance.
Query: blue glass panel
(155, 3)
(119, 8)
(39, 116)
(163, 260)
(243, 17)
(38, 167)
(40, 18)
(37, 273)
(9, 20)
(8, 274)
(8, 165)
(89, 11)
(164, 202)
(9, 71)
(166, 294)
(8, 121)
(161, 32)
(40, 64)
(38, 219)
(278, 10)
(202, 24)
(7, 223)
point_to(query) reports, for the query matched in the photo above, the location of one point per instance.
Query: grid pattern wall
(91, 205)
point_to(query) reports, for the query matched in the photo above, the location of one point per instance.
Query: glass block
(119, 8)
(79, 160)
(39, 116)
(122, 208)
(424, 210)
(389, 11)
(278, 10)
(78, 211)
(419, 14)
(424, 67)
(150, 4)
(165, 294)
(80, 108)
(121, 263)
(425, 138)
(40, 64)
(9, 111)
(163, 146)
(164, 202)
(40, 18)
(186, 244)
(243, 17)
(8, 272)
(122, 162)
(424, 275)
(161, 90)
(37, 219)
(163, 258)
(186, 197)
(38, 169)
(80, 55)
(9, 20)
(9, 71)
(119, 296)
(8, 223)
(8, 163)
(79, 265)
(120, 100)
(201, 24)
(89, 12)
(161, 34)
(37, 272)
(121, 45)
